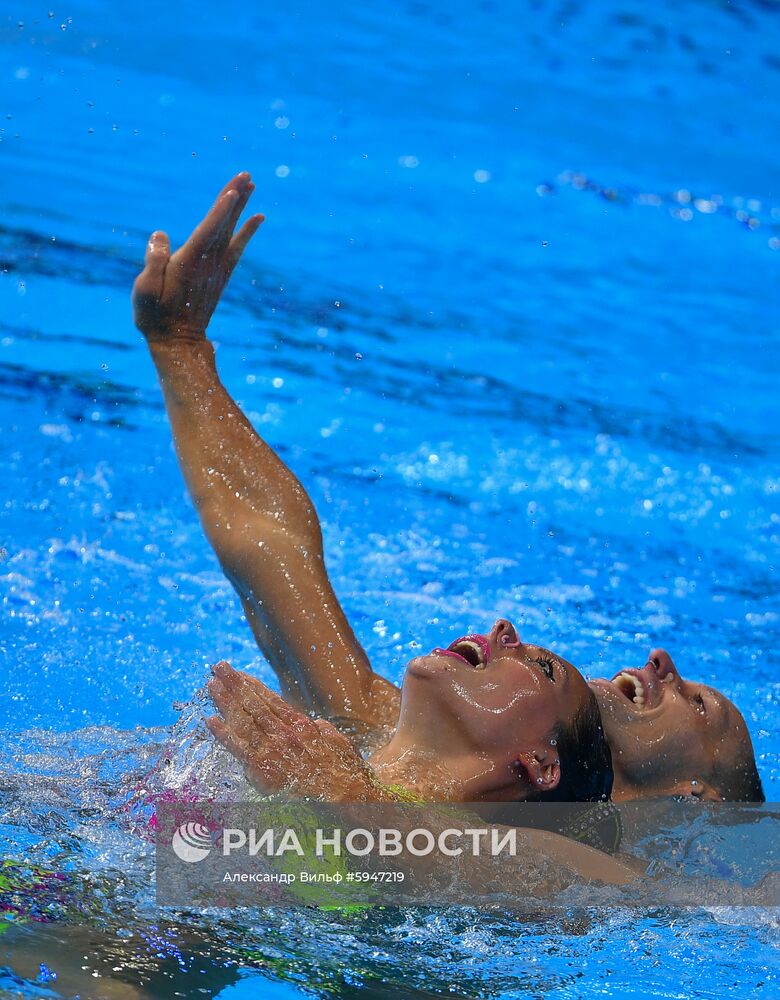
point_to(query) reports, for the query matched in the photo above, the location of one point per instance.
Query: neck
(625, 789)
(469, 778)
(418, 770)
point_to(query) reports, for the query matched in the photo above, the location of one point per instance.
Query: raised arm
(257, 516)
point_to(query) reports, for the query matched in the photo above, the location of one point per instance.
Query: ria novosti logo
(191, 842)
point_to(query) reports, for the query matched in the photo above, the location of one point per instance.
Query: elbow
(247, 543)
(224, 533)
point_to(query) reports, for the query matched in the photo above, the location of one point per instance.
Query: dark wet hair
(586, 760)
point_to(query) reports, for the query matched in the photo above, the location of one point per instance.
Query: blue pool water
(513, 321)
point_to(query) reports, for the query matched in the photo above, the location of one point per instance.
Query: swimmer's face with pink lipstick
(500, 713)
(670, 736)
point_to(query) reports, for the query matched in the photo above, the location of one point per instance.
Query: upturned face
(669, 736)
(490, 707)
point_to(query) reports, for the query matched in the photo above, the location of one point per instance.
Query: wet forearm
(233, 476)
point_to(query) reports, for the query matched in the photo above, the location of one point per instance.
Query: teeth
(631, 686)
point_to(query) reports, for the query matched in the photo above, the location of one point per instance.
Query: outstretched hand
(176, 294)
(283, 750)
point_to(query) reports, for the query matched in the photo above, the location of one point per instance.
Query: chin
(425, 666)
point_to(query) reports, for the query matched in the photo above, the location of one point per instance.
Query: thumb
(158, 252)
(149, 283)
(148, 286)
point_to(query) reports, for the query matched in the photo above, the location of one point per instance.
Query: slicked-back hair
(586, 760)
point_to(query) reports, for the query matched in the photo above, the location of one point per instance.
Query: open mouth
(471, 649)
(644, 688)
(630, 685)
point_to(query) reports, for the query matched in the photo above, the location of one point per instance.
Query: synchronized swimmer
(486, 717)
